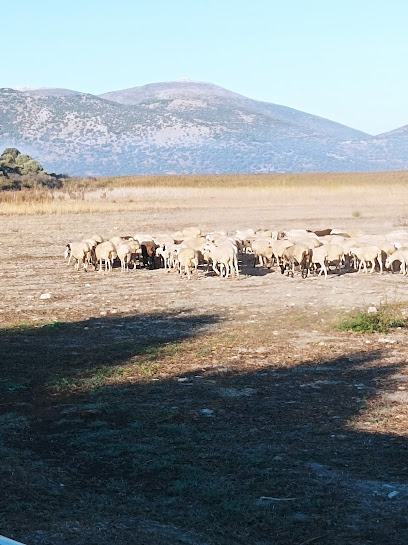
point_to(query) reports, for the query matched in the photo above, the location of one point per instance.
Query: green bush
(386, 318)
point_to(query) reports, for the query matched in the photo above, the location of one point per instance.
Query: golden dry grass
(133, 193)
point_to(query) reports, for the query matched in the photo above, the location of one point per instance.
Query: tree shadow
(223, 454)
(33, 355)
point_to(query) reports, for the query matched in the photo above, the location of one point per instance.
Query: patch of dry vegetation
(132, 193)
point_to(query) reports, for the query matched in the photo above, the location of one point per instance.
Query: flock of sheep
(298, 249)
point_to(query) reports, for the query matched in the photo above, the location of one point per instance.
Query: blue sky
(344, 60)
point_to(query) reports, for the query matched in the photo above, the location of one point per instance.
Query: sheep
(165, 254)
(298, 254)
(400, 255)
(124, 252)
(259, 247)
(194, 243)
(191, 232)
(335, 254)
(148, 248)
(140, 237)
(226, 256)
(81, 252)
(263, 233)
(135, 251)
(310, 242)
(163, 240)
(278, 248)
(92, 242)
(97, 238)
(318, 256)
(117, 241)
(321, 232)
(105, 252)
(366, 254)
(178, 237)
(187, 258)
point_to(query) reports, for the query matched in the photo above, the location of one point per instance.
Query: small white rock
(45, 296)
(372, 310)
(393, 494)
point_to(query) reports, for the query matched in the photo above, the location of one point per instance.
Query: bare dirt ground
(141, 407)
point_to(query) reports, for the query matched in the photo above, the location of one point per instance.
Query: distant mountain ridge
(184, 127)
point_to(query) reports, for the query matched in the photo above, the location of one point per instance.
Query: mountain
(198, 96)
(181, 127)
(47, 91)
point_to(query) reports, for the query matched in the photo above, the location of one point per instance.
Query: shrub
(386, 318)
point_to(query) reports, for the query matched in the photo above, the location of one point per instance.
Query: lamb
(366, 254)
(81, 252)
(105, 252)
(187, 258)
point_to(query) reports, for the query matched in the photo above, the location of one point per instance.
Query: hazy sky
(345, 60)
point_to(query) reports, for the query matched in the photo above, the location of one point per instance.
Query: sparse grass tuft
(356, 214)
(386, 318)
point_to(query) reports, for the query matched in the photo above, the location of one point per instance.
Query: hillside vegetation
(184, 128)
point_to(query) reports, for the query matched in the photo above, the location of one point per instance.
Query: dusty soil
(141, 407)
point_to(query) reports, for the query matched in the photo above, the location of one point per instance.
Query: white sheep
(367, 254)
(105, 252)
(400, 255)
(187, 258)
(335, 254)
(278, 248)
(81, 252)
(260, 247)
(191, 232)
(226, 256)
(124, 253)
(319, 257)
(296, 255)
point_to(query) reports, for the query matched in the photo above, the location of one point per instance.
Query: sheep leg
(217, 272)
(360, 265)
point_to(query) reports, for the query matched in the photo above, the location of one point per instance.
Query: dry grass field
(144, 408)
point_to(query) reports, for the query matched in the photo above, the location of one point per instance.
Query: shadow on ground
(220, 455)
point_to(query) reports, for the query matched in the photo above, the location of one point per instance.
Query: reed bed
(133, 193)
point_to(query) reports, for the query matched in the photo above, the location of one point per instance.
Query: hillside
(180, 127)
